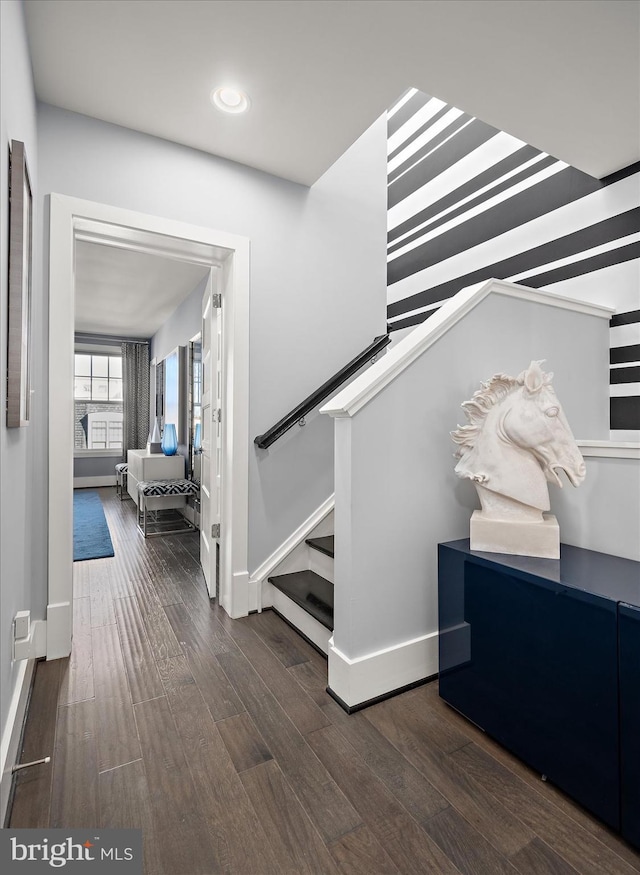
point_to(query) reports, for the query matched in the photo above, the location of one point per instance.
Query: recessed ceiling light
(230, 100)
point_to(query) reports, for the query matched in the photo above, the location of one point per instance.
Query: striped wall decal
(467, 202)
(625, 370)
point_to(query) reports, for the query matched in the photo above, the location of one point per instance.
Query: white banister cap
(365, 387)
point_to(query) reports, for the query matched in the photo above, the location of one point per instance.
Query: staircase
(305, 597)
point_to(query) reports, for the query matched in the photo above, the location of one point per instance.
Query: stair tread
(324, 544)
(309, 590)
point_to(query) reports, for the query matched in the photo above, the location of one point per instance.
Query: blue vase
(169, 440)
(197, 438)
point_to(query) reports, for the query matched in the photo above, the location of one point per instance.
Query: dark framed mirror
(159, 393)
(195, 407)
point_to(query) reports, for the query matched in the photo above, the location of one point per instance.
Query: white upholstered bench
(157, 490)
(122, 470)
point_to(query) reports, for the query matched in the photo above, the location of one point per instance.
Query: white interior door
(211, 467)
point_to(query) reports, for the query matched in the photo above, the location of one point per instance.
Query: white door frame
(71, 219)
(211, 449)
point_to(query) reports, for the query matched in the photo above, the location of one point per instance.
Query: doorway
(73, 220)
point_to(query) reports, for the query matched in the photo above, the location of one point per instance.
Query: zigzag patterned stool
(159, 489)
(122, 470)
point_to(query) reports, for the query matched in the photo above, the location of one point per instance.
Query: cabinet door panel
(629, 652)
(537, 669)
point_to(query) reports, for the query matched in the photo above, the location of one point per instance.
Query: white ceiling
(563, 76)
(124, 293)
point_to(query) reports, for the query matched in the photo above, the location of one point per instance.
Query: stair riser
(321, 564)
(301, 620)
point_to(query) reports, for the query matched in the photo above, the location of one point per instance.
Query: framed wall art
(19, 325)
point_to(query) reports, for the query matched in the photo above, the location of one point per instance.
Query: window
(98, 377)
(98, 398)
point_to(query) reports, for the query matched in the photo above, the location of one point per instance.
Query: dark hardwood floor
(216, 737)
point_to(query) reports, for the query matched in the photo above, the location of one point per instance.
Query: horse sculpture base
(540, 539)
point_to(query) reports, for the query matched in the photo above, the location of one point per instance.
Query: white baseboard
(87, 482)
(59, 630)
(289, 545)
(12, 731)
(359, 680)
(236, 603)
(256, 595)
(34, 645)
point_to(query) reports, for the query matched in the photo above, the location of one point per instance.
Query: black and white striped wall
(467, 202)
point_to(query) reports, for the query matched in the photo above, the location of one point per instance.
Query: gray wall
(95, 466)
(22, 450)
(604, 513)
(300, 338)
(183, 324)
(399, 496)
(318, 281)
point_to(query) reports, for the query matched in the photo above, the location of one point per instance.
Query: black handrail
(269, 437)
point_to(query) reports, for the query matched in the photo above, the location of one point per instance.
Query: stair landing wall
(397, 495)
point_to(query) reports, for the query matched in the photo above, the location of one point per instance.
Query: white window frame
(83, 453)
(81, 348)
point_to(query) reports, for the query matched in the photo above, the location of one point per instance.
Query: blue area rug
(91, 538)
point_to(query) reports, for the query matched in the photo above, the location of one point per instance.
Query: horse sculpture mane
(487, 396)
(516, 439)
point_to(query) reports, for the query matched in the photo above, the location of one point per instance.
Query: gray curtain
(135, 371)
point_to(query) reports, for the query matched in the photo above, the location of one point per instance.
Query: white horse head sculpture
(517, 439)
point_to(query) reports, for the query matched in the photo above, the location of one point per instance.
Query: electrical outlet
(22, 624)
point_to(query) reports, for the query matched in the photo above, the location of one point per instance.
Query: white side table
(154, 466)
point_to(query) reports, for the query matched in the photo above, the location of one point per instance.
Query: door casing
(72, 219)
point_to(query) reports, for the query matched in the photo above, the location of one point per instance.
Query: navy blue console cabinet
(629, 650)
(544, 655)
